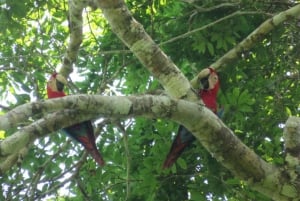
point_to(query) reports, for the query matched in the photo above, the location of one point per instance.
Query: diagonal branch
(145, 49)
(128, 159)
(75, 26)
(187, 34)
(216, 137)
(257, 35)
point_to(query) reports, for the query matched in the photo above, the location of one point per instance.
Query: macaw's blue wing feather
(84, 134)
(220, 112)
(182, 140)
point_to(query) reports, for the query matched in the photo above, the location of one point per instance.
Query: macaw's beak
(59, 85)
(60, 82)
(204, 82)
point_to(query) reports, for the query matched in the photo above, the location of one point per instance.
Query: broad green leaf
(256, 92)
(181, 162)
(2, 134)
(210, 48)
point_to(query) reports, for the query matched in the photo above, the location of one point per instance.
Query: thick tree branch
(23, 137)
(210, 131)
(75, 26)
(218, 139)
(140, 43)
(291, 137)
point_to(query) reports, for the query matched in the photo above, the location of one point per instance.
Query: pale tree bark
(257, 35)
(231, 152)
(75, 26)
(218, 139)
(146, 50)
(291, 137)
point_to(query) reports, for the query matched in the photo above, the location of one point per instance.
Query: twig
(54, 188)
(128, 157)
(222, 5)
(81, 188)
(41, 169)
(210, 25)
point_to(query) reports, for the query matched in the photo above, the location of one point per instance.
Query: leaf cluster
(258, 93)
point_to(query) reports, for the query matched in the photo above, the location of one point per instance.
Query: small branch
(187, 34)
(128, 161)
(222, 5)
(9, 68)
(91, 29)
(53, 188)
(41, 169)
(81, 189)
(108, 52)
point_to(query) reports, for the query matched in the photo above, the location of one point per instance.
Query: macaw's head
(213, 79)
(55, 86)
(209, 78)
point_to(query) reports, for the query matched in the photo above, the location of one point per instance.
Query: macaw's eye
(215, 78)
(204, 82)
(59, 85)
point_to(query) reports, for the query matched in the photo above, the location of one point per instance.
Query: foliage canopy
(258, 93)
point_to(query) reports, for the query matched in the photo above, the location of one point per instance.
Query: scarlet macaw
(208, 93)
(82, 132)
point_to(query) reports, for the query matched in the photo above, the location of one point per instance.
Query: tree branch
(128, 159)
(75, 26)
(187, 34)
(291, 138)
(257, 35)
(150, 55)
(218, 139)
(209, 9)
(24, 137)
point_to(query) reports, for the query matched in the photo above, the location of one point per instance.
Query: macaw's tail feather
(97, 157)
(183, 139)
(91, 148)
(81, 132)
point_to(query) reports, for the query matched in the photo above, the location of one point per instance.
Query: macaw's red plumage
(82, 132)
(208, 93)
(183, 139)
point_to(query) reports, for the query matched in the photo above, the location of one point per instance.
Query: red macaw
(208, 93)
(82, 132)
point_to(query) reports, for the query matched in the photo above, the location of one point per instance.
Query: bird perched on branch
(82, 132)
(208, 93)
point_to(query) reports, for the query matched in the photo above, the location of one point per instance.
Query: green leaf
(288, 111)
(181, 162)
(196, 195)
(210, 48)
(258, 90)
